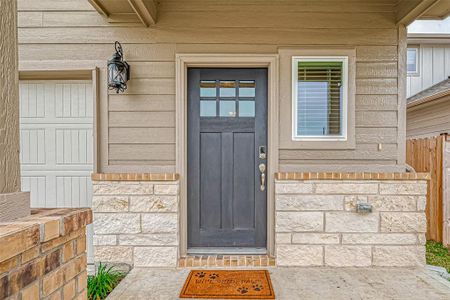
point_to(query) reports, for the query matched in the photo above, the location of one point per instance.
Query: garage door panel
(32, 101)
(37, 185)
(73, 101)
(74, 146)
(74, 190)
(57, 144)
(32, 143)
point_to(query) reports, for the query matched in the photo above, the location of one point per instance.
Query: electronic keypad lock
(262, 152)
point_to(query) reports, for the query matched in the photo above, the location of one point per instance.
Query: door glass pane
(208, 89)
(246, 88)
(207, 108)
(246, 108)
(227, 89)
(227, 109)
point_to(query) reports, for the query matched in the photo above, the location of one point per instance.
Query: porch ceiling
(145, 11)
(126, 11)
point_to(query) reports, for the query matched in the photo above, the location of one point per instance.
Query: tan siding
(141, 131)
(429, 119)
(9, 101)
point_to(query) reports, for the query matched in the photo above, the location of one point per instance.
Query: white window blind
(319, 98)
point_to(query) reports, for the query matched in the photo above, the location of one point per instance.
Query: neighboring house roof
(434, 92)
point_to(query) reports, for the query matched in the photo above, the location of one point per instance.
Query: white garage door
(56, 143)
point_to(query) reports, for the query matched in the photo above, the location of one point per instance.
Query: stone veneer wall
(136, 220)
(43, 256)
(317, 225)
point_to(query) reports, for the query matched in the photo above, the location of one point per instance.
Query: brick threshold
(224, 261)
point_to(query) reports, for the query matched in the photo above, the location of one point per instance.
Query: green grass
(438, 255)
(102, 283)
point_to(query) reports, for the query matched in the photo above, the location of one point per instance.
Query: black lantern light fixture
(118, 70)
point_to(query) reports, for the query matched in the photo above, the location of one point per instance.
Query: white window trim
(417, 71)
(344, 119)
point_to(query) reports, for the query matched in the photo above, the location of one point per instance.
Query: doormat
(228, 284)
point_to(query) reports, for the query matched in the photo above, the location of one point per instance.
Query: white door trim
(269, 61)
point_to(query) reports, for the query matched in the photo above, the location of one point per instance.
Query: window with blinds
(319, 97)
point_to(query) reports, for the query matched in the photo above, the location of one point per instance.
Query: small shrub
(438, 255)
(102, 283)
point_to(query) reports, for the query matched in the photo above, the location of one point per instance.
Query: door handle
(262, 169)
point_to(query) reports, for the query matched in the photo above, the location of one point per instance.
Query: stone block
(156, 239)
(346, 188)
(110, 203)
(315, 238)
(293, 188)
(153, 203)
(383, 202)
(160, 223)
(379, 238)
(105, 240)
(351, 222)
(309, 202)
(114, 254)
(422, 239)
(123, 188)
(283, 238)
(299, 255)
(403, 188)
(403, 222)
(399, 256)
(115, 223)
(421, 203)
(348, 256)
(155, 256)
(299, 221)
(166, 189)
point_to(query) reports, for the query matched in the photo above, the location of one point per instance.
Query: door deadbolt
(262, 152)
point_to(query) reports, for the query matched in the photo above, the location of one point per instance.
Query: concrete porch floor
(302, 283)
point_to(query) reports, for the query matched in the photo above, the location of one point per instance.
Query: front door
(227, 142)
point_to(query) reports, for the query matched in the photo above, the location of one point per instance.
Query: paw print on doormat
(257, 287)
(243, 290)
(213, 276)
(200, 274)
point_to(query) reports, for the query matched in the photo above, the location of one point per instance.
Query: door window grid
(227, 98)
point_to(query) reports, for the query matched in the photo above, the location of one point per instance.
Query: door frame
(185, 61)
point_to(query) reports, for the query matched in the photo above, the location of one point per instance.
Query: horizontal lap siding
(429, 120)
(141, 121)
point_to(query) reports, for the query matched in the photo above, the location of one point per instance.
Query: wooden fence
(426, 155)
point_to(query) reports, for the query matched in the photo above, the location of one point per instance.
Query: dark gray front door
(227, 142)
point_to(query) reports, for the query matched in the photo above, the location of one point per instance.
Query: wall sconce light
(118, 70)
